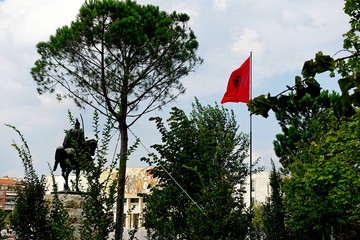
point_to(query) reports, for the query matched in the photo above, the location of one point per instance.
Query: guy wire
(178, 184)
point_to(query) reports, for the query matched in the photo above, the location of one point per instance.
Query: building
(260, 188)
(138, 181)
(8, 193)
(60, 182)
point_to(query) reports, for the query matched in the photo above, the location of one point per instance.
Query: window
(135, 220)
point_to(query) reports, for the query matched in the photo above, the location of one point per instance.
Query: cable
(178, 184)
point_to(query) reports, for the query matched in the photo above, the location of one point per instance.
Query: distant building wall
(60, 182)
(260, 187)
(138, 181)
(8, 193)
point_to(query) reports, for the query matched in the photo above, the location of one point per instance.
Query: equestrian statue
(75, 154)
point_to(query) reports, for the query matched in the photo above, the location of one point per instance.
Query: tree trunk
(121, 183)
(123, 128)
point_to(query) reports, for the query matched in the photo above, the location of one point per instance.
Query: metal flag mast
(239, 89)
(250, 149)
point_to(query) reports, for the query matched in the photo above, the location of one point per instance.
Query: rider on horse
(74, 139)
(74, 151)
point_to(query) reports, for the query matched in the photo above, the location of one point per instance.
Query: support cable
(167, 172)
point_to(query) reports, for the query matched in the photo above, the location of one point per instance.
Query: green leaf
(299, 88)
(345, 84)
(355, 99)
(260, 105)
(321, 64)
(343, 106)
(324, 62)
(309, 69)
(313, 87)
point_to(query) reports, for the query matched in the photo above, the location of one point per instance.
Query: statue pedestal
(73, 202)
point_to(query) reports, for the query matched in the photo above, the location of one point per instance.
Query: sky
(281, 34)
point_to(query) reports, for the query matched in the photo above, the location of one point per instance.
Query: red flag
(238, 89)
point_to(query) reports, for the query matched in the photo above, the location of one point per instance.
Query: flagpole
(251, 184)
(240, 90)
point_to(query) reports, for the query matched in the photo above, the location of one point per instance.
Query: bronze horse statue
(74, 160)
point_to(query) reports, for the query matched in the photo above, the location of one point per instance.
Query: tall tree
(274, 209)
(296, 117)
(323, 192)
(33, 218)
(199, 164)
(122, 59)
(320, 151)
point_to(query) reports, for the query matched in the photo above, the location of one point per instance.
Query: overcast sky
(281, 34)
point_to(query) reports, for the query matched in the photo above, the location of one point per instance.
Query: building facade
(260, 188)
(138, 181)
(8, 193)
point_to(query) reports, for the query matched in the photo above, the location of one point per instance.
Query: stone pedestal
(73, 202)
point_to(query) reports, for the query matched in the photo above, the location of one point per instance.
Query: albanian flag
(238, 89)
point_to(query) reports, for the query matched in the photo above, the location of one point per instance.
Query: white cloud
(293, 19)
(249, 40)
(220, 4)
(25, 22)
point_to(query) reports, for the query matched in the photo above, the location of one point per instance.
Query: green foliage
(351, 37)
(296, 118)
(33, 219)
(59, 216)
(319, 143)
(306, 87)
(99, 198)
(261, 105)
(309, 124)
(256, 230)
(118, 53)
(322, 194)
(274, 210)
(321, 63)
(30, 215)
(204, 155)
(121, 58)
(3, 216)
(4, 220)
